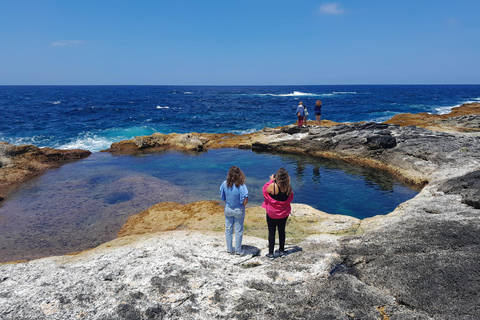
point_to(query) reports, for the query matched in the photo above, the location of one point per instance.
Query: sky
(239, 42)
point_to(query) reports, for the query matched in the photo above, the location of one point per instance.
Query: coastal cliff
(418, 262)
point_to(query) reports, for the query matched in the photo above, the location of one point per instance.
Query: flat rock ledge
(418, 262)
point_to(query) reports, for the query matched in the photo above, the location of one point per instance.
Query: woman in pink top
(278, 195)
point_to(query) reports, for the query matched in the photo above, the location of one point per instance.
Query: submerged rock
(21, 163)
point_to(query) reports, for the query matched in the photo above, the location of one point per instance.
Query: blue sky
(233, 42)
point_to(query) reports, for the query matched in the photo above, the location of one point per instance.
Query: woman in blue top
(318, 111)
(235, 194)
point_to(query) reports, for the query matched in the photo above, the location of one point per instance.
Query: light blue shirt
(301, 110)
(233, 196)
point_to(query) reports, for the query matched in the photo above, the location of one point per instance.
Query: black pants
(272, 226)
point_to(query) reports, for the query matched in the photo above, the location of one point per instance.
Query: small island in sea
(418, 262)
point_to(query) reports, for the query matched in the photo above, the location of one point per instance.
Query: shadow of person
(289, 250)
(250, 250)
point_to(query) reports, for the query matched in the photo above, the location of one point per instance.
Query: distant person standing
(235, 194)
(300, 113)
(278, 195)
(318, 111)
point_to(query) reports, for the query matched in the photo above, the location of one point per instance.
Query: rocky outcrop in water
(418, 262)
(21, 163)
(460, 119)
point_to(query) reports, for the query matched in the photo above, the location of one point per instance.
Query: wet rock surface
(418, 262)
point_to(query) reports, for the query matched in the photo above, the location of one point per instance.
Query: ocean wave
(307, 94)
(38, 140)
(160, 107)
(475, 100)
(294, 94)
(448, 109)
(97, 141)
(445, 110)
(247, 131)
(94, 143)
(55, 102)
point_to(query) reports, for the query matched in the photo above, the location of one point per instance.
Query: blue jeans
(234, 219)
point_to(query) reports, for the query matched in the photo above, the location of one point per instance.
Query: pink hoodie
(276, 209)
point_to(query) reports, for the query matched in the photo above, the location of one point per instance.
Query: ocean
(83, 204)
(93, 117)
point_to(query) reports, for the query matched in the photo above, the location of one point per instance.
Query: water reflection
(375, 178)
(83, 204)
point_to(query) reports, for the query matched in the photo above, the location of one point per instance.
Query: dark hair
(282, 178)
(235, 176)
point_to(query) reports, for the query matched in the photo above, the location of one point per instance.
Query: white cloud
(68, 42)
(332, 8)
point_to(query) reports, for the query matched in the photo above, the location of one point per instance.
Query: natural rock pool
(83, 204)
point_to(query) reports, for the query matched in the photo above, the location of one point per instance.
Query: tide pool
(83, 204)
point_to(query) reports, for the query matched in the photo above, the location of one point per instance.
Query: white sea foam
(346, 92)
(188, 92)
(98, 141)
(444, 110)
(56, 102)
(94, 143)
(294, 94)
(247, 131)
(307, 94)
(160, 107)
(448, 109)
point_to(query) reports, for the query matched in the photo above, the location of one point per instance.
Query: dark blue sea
(83, 204)
(93, 117)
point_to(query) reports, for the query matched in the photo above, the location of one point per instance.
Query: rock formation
(460, 119)
(418, 262)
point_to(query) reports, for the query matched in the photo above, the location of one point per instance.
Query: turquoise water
(83, 204)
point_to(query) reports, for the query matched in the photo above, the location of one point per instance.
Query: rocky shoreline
(418, 262)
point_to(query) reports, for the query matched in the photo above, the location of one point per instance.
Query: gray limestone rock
(467, 186)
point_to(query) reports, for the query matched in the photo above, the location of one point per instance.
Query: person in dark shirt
(318, 111)
(278, 195)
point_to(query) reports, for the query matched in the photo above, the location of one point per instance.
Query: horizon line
(239, 85)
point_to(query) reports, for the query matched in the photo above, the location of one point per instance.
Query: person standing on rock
(318, 111)
(278, 195)
(300, 113)
(235, 194)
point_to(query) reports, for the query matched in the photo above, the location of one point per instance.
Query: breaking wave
(97, 141)
(305, 94)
